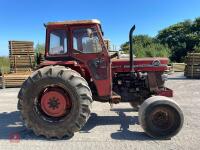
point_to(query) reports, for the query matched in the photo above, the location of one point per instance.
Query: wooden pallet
(21, 70)
(14, 79)
(20, 42)
(192, 60)
(192, 69)
(21, 57)
(21, 61)
(1, 82)
(21, 54)
(20, 46)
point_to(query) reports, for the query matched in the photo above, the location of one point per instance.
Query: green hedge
(4, 65)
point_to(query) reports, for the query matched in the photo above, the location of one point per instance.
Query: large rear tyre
(161, 117)
(55, 102)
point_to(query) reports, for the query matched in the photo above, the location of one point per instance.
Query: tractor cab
(80, 46)
(68, 37)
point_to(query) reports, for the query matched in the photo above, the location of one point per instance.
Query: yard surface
(108, 128)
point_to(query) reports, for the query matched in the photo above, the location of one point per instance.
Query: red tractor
(55, 100)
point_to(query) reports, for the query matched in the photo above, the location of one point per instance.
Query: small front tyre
(161, 117)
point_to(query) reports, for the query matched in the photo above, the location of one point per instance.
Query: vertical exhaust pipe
(131, 46)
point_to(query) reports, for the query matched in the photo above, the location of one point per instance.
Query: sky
(24, 19)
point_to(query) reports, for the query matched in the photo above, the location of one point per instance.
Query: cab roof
(73, 22)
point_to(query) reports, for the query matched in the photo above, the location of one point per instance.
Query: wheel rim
(162, 118)
(55, 102)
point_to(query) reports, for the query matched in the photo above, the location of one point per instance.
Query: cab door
(88, 47)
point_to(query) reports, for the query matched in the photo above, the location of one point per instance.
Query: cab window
(58, 42)
(86, 40)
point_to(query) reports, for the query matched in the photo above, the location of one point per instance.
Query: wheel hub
(162, 118)
(55, 102)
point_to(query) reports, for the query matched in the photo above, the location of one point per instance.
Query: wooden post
(30, 61)
(192, 73)
(2, 80)
(10, 48)
(1, 83)
(15, 64)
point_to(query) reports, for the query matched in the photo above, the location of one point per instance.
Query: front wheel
(161, 117)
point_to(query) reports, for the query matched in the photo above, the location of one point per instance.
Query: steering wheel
(116, 54)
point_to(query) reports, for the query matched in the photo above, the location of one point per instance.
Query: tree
(197, 48)
(145, 46)
(181, 38)
(39, 48)
(39, 53)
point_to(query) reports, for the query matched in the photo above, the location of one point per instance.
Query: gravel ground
(109, 129)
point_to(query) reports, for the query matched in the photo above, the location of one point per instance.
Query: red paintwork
(139, 64)
(165, 92)
(118, 65)
(63, 102)
(104, 87)
(62, 63)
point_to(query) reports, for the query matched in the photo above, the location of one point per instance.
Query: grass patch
(4, 65)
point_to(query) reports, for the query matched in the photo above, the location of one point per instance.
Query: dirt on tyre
(161, 117)
(55, 102)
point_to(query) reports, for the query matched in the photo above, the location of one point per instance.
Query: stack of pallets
(192, 69)
(13, 79)
(21, 54)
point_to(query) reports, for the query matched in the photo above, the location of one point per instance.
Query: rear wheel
(55, 102)
(160, 117)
